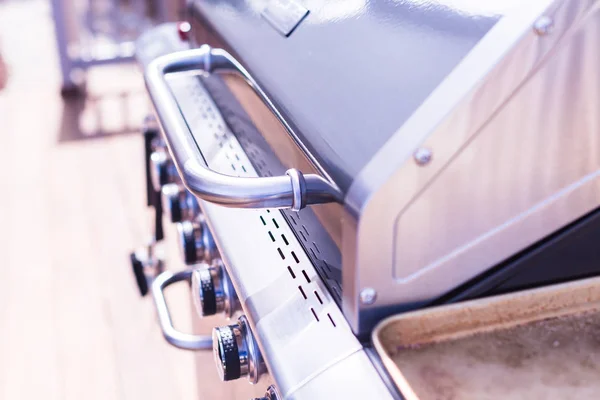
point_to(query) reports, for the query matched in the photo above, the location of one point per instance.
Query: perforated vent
(272, 222)
(323, 266)
(305, 225)
(224, 154)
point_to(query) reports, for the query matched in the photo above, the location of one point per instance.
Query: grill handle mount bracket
(173, 336)
(293, 190)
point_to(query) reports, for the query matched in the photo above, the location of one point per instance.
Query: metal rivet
(543, 25)
(368, 296)
(423, 155)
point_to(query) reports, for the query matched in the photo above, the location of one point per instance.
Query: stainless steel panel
(354, 70)
(354, 373)
(514, 143)
(284, 299)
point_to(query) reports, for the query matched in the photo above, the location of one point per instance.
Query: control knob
(212, 291)
(163, 170)
(272, 394)
(146, 263)
(236, 352)
(196, 241)
(179, 203)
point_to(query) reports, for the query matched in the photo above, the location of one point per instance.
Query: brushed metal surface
(326, 385)
(286, 302)
(354, 70)
(514, 134)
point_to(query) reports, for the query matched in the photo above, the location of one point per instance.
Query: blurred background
(72, 324)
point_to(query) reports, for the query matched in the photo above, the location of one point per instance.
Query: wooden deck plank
(71, 208)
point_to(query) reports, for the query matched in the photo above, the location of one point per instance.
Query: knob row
(235, 350)
(195, 240)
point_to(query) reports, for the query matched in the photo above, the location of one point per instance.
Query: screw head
(543, 25)
(183, 29)
(368, 296)
(423, 155)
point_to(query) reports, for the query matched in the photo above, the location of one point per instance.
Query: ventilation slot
(318, 297)
(305, 230)
(306, 276)
(302, 291)
(315, 314)
(313, 253)
(295, 258)
(291, 272)
(331, 319)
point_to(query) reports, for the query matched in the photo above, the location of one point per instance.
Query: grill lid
(351, 73)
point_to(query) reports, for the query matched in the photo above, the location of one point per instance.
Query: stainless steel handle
(173, 336)
(293, 190)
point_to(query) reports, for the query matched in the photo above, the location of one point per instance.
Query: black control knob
(141, 280)
(212, 291)
(163, 170)
(196, 242)
(146, 263)
(227, 343)
(150, 132)
(179, 203)
(236, 352)
(272, 394)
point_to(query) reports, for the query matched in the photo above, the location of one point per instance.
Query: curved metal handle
(173, 336)
(293, 190)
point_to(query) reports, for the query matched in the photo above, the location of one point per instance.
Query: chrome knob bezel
(180, 205)
(271, 394)
(196, 242)
(212, 291)
(163, 170)
(236, 352)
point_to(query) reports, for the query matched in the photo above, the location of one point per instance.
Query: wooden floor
(72, 325)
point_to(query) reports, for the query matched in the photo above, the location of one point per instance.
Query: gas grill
(332, 163)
